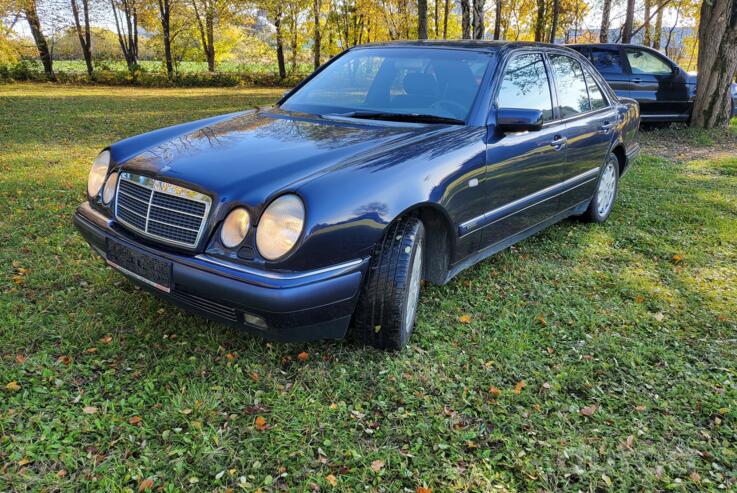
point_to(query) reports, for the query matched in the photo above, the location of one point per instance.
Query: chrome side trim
(584, 178)
(277, 275)
(157, 186)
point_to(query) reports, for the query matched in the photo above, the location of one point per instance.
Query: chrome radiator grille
(160, 210)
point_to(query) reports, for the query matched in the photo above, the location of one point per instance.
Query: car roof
(465, 44)
(607, 45)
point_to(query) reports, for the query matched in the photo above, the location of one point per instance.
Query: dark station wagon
(391, 164)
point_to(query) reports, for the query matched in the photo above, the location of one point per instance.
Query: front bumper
(298, 306)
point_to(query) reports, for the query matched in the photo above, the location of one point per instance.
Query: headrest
(419, 84)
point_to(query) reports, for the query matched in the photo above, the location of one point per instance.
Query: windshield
(403, 81)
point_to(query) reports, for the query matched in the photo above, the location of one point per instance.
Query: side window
(642, 62)
(607, 61)
(525, 85)
(595, 95)
(573, 98)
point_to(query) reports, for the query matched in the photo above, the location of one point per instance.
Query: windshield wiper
(401, 117)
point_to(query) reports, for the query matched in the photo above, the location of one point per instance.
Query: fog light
(255, 321)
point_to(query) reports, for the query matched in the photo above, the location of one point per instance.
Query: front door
(522, 167)
(610, 64)
(657, 85)
(590, 122)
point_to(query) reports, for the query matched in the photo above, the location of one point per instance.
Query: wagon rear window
(428, 81)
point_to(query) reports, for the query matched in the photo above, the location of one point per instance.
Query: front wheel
(606, 192)
(385, 315)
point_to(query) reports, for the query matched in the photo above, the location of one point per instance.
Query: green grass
(183, 67)
(636, 317)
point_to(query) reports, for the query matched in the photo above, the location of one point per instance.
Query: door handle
(636, 80)
(606, 127)
(558, 142)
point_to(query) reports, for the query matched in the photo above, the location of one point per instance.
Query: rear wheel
(385, 315)
(606, 192)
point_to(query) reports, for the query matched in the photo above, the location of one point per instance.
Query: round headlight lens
(235, 227)
(110, 185)
(98, 173)
(280, 227)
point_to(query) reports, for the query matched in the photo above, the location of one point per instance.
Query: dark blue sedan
(391, 164)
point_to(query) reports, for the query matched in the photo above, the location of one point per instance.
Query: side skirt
(487, 252)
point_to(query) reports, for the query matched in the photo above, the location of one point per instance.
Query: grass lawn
(588, 358)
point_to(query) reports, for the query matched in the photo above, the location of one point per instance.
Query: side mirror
(518, 120)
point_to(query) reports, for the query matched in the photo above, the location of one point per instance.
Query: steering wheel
(454, 108)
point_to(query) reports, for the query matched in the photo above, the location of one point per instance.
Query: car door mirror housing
(518, 120)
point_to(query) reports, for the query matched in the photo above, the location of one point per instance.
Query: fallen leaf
(230, 356)
(331, 479)
(261, 423)
(659, 316)
(255, 376)
(67, 360)
(541, 320)
(106, 339)
(639, 300)
(546, 386)
(677, 258)
(24, 461)
(146, 485)
(303, 356)
(20, 359)
(640, 409)
(695, 477)
(134, 420)
(61, 474)
(13, 386)
(423, 489)
(89, 410)
(588, 410)
(333, 406)
(629, 441)
(495, 391)
(90, 350)
(465, 319)
(520, 385)
(377, 465)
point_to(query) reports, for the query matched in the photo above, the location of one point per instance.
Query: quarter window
(525, 85)
(573, 98)
(642, 62)
(595, 95)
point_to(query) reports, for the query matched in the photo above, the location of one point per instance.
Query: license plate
(139, 265)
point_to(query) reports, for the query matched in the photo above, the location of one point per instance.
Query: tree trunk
(646, 25)
(421, 19)
(717, 63)
(554, 21)
(83, 32)
(317, 36)
(498, 20)
(478, 19)
(294, 38)
(280, 45)
(466, 19)
(629, 20)
(658, 30)
(210, 26)
(165, 19)
(31, 13)
(128, 35)
(540, 21)
(446, 11)
(605, 17)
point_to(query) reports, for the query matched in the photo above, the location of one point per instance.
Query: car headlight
(98, 172)
(280, 227)
(235, 227)
(108, 192)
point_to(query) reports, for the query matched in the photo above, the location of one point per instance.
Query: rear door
(590, 120)
(522, 167)
(609, 61)
(657, 84)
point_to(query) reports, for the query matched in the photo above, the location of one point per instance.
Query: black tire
(382, 319)
(596, 213)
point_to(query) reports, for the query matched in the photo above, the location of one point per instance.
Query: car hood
(250, 156)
